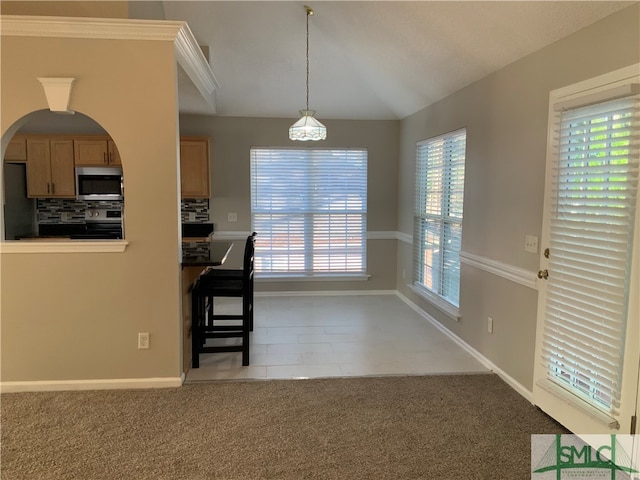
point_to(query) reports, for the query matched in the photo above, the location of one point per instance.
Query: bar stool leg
(246, 320)
(195, 329)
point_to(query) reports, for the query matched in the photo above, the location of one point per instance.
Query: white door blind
(309, 207)
(595, 182)
(438, 214)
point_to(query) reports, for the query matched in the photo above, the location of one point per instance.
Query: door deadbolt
(543, 273)
(546, 253)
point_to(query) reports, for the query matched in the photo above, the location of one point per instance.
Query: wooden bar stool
(223, 283)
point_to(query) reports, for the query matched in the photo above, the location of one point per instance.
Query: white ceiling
(369, 59)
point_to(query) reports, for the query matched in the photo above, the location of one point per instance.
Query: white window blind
(595, 182)
(309, 207)
(438, 214)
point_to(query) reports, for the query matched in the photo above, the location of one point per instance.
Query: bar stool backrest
(249, 257)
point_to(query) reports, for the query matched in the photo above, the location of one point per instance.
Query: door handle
(543, 274)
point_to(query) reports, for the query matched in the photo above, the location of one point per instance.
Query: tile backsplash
(195, 210)
(195, 249)
(63, 210)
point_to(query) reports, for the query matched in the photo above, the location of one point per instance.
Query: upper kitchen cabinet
(194, 167)
(96, 152)
(50, 168)
(16, 150)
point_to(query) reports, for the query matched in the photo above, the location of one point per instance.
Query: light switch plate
(232, 217)
(531, 243)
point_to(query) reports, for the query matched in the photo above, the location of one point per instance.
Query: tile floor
(334, 336)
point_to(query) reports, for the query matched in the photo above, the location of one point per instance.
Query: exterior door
(588, 335)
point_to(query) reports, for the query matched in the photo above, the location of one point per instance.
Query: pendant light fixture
(307, 128)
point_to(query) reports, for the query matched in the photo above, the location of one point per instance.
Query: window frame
(442, 220)
(312, 214)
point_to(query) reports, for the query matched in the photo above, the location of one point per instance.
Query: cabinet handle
(110, 157)
(48, 187)
(104, 157)
(53, 187)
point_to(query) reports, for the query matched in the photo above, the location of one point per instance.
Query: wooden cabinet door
(91, 152)
(16, 150)
(38, 168)
(114, 155)
(62, 169)
(194, 168)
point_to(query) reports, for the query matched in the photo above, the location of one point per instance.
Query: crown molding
(81, 27)
(192, 60)
(188, 53)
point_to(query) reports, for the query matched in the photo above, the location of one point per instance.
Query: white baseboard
(104, 384)
(512, 382)
(328, 293)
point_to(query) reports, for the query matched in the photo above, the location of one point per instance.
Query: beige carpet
(437, 427)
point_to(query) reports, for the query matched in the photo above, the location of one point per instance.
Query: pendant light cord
(308, 14)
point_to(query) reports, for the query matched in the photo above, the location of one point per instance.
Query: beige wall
(231, 141)
(506, 119)
(74, 8)
(76, 316)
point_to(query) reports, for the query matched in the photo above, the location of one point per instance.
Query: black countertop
(197, 229)
(216, 255)
(75, 231)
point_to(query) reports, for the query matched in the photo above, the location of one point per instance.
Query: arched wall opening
(29, 213)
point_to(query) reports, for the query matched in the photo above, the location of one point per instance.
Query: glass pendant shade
(307, 128)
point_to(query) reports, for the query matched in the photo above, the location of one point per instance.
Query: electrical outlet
(143, 341)
(489, 324)
(531, 243)
(232, 217)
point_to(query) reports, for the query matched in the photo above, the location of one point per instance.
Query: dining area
(300, 335)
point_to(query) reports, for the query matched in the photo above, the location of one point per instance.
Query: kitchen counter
(75, 231)
(216, 254)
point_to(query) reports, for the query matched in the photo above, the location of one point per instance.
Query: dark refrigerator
(19, 211)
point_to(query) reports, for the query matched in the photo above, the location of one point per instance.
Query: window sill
(63, 246)
(306, 278)
(578, 402)
(441, 304)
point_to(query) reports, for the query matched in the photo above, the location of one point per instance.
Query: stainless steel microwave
(99, 183)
